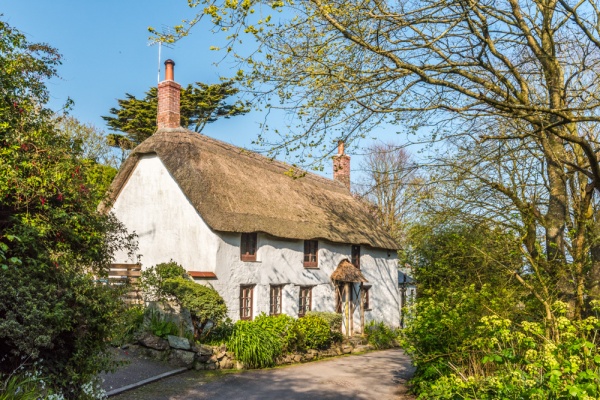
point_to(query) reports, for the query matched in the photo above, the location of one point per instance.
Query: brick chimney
(169, 92)
(341, 166)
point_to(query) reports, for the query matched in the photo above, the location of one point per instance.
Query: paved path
(379, 375)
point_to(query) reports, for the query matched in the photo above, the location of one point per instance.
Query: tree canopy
(54, 317)
(506, 93)
(517, 74)
(200, 104)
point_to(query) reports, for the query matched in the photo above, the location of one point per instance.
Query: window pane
(311, 249)
(248, 245)
(356, 256)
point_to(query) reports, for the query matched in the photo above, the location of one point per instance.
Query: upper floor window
(311, 252)
(305, 300)
(248, 246)
(355, 257)
(276, 296)
(246, 298)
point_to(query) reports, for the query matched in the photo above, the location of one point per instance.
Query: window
(356, 256)
(311, 251)
(246, 302)
(276, 292)
(366, 305)
(248, 246)
(305, 301)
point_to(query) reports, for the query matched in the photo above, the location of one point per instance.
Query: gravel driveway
(377, 375)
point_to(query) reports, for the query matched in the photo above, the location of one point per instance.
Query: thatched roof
(347, 272)
(235, 190)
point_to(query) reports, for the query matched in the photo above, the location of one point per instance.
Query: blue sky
(106, 54)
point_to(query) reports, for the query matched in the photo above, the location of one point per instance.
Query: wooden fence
(127, 275)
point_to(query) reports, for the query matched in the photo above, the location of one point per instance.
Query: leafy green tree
(87, 140)
(516, 72)
(54, 317)
(200, 104)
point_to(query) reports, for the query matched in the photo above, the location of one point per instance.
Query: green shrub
(315, 329)
(333, 319)
(502, 358)
(221, 333)
(380, 336)
(153, 279)
(161, 326)
(284, 327)
(207, 307)
(19, 387)
(127, 323)
(253, 345)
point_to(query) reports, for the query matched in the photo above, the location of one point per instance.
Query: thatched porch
(348, 282)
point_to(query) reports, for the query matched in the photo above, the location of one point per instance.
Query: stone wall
(178, 352)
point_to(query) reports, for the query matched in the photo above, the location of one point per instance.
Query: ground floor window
(246, 293)
(276, 296)
(305, 300)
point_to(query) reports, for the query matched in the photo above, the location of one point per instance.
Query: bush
(153, 279)
(61, 321)
(207, 307)
(333, 319)
(502, 358)
(315, 329)
(127, 323)
(221, 333)
(253, 345)
(380, 336)
(19, 387)
(284, 327)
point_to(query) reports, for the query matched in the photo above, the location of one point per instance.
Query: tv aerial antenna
(165, 31)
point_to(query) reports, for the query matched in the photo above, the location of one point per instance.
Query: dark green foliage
(126, 324)
(284, 327)
(380, 336)
(315, 329)
(333, 319)
(152, 280)
(200, 104)
(253, 345)
(220, 333)
(205, 304)
(52, 240)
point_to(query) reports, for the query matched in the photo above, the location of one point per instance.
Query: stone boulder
(151, 341)
(170, 311)
(178, 342)
(181, 358)
(202, 350)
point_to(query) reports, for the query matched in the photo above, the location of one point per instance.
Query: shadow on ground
(378, 375)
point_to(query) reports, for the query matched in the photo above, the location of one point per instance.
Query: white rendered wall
(168, 227)
(152, 205)
(280, 262)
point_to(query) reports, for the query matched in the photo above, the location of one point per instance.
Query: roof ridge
(247, 152)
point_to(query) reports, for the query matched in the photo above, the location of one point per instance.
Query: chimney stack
(341, 166)
(169, 92)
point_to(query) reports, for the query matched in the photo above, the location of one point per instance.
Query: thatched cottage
(266, 241)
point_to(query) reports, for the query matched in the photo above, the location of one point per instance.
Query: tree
(54, 317)
(87, 140)
(391, 186)
(462, 69)
(200, 104)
